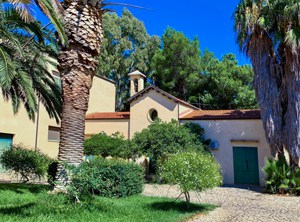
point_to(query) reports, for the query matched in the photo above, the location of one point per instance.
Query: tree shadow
(181, 207)
(22, 188)
(17, 211)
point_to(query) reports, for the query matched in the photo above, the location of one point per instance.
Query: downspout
(37, 124)
(178, 112)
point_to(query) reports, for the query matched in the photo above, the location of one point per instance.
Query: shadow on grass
(22, 188)
(17, 211)
(181, 207)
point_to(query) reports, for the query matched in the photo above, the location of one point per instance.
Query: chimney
(136, 82)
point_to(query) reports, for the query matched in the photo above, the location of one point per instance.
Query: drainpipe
(37, 124)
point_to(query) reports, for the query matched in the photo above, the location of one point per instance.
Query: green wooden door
(245, 160)
(5, 143)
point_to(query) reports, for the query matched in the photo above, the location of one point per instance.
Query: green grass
(22, 202)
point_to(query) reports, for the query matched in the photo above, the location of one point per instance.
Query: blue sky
(210, 20)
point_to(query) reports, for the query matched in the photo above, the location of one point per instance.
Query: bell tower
(137, 82)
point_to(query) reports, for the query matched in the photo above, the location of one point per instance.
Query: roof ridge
(140, 93)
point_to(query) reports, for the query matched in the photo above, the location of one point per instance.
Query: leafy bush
(191, 171)
(107, 178)
(198, 131)
(105, 145)
(281, 178)
(162, 138)
(29, 164)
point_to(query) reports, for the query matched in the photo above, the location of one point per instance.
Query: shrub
(281, 178)
(198, 131)
(107, 178)
(28, 164)
(105, 145)
(196, 171)
(163, 138)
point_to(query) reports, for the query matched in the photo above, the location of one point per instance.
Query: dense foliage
(177, 65)
(126, 46)
(28, 164)
(163, 138)
(105, 145)
(174, 63)
(25, 76)
(281, 178)
(107, 178)
(196, 171)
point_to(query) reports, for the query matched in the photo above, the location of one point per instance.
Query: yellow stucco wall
(184, 110)
(139, 110)
(24, 130)
(102, 96)
(226, 130)
(108, 126)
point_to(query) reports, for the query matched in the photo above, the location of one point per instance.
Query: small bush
(105, 145)
(196, 171)
(107, 178)
(281, 178)
(27, 164)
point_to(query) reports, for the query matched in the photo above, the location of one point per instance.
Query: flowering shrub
(191, 171)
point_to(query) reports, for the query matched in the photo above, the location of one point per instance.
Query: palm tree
(268, 31)
(24, 77)
(78, 63)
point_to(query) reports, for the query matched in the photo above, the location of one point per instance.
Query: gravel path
(238, 205)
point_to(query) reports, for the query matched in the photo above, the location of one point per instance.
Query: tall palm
(268, 32)
(77, 65)
(24, 77)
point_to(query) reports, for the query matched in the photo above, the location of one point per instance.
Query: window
(152, 115)
(136, 85)
(53, 133)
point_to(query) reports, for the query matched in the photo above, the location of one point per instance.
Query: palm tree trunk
(292, 118)
(269, 92)
(77, 66)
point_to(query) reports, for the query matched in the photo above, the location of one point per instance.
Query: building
(43, 134)
(238, 138)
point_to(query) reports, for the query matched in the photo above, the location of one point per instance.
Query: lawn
(22, 202)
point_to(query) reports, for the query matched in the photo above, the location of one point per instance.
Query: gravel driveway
(238, 205)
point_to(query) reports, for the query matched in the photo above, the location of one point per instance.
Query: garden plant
(191, 171)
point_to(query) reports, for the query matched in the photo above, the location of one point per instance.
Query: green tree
(126, 46)
(177, 64)
(24, 76)
(162, 138)
(268, 32)
(227, 85)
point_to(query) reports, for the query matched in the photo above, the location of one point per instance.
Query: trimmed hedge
(107, 178)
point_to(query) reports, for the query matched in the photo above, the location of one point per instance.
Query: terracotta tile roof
(115, 115)
(222, 114)
(151, 87)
